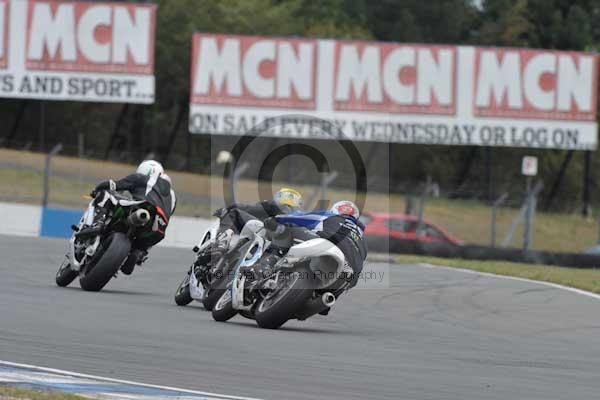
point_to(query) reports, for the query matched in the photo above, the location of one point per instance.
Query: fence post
(42, 126)
(422, 201)
(587, 183)
(49, 156)
(326, 181)
(410, 207)
(313, 200)
(523, 215)
(235, 175)
(531, 204)
(233, 171)
(495, 207)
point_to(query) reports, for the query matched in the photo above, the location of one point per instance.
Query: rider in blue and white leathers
(339, 225)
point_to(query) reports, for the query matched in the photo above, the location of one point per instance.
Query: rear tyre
(223, 309)
(274, 311)
(182, 295)
(117, 247)
(65, 275)
(214, 292)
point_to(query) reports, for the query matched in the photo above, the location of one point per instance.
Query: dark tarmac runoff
(430, 334)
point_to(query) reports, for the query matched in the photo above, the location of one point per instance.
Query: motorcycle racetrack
(433, 334)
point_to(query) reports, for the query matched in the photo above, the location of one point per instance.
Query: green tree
(442, 21)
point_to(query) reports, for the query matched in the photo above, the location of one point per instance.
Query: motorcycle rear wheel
(117, 247)
(272, 312)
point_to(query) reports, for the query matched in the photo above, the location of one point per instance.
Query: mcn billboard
(389, 92)
(77, 51)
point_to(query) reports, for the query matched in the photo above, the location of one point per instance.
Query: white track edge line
(121, 381)
(513, 278)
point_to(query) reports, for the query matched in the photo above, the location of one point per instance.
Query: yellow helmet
(288, 197)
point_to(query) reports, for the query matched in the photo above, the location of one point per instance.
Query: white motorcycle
(208, 275)
(273, 286)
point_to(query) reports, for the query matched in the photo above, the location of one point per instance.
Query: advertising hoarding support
(489, 175)
(15, 126)
(42, 125)
(587, 183)
(116, 129)
(558, 180)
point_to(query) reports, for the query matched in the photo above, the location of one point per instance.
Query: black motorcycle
(102, 242)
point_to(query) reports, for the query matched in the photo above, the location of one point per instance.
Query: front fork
(196, 287)
(87, 219)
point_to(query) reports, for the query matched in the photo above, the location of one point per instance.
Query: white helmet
(150, 168)
(346, 208)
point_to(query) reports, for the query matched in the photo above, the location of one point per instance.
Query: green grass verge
(584, 279)
(10, 393)
(22, 180)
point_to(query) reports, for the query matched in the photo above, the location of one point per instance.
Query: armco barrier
(56, 222)
(484, 253)
(27, 220)
(20, 219)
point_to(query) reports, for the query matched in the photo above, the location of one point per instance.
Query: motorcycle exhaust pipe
(139, 217)
(315, 306)
(328, 299)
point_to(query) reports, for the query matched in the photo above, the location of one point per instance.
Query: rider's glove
(271, 224)
(220, 213)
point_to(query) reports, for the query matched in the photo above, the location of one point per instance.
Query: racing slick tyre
(214, 292)
(182, 294)
(116, 249)
(65, 275)
(281, 305)
(223, 309)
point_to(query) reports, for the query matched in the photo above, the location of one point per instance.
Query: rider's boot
(136, 257)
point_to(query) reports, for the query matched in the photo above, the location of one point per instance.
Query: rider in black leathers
(151, 184)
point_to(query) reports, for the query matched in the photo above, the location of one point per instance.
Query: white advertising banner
(395, 93)
(57, 50)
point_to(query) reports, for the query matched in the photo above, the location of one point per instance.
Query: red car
(403, 232)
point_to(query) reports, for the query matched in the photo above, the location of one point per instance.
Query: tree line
(161, 129)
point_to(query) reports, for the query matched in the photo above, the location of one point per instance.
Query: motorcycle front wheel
(65, 275)
(214, 292)
(223, 309)
(182, 294)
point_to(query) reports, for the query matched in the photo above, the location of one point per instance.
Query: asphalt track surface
(433, 334)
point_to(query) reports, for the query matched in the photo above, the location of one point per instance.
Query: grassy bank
(22, 181)
(585, 279)
(8, 393)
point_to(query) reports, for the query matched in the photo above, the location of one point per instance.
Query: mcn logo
(253, 71)
(95, 37)
(356, 79)
(535, 84)
(4, 16)
(395, 78)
